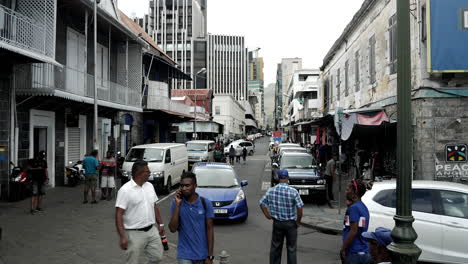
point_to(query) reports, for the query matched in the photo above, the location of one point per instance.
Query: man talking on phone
(192, 216)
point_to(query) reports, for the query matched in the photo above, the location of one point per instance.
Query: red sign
(277, 134)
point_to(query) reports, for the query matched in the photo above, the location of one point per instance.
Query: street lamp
(202, 71)
(403, 248)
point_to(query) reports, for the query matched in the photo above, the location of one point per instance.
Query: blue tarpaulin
(448, 36)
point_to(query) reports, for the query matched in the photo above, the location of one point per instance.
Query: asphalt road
(249, 242)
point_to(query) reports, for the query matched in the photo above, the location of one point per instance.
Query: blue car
(218, 183)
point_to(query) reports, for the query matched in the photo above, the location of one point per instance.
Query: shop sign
(451, 171)
(455, 153)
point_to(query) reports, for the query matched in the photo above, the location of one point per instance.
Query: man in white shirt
(135, 216)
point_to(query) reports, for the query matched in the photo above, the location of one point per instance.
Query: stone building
(360, 75)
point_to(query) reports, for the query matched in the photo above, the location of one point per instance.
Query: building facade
(231, 114)
(270, 106)
(286, 70)
(179, 27)
(256, 84)
(360, 75)
(227, 66)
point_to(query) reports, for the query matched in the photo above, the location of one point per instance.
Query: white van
(200, 150)
(166, 161)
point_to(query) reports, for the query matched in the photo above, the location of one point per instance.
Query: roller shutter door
(74, 144)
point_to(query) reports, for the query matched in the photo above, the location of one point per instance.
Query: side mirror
(244, 183)
(275, 165)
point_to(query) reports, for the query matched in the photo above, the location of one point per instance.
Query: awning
(175, 113)
(349, 120)
(250, 122)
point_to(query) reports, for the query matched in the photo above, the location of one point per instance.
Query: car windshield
(146, 154)
(216, 177)
(196, 147)
(297, 162)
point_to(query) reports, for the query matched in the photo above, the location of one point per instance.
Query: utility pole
(95, 134)
(403, 248)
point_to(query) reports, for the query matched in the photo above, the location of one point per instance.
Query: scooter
(19, 175)
(75, 173)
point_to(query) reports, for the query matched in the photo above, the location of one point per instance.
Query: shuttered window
(73, 151)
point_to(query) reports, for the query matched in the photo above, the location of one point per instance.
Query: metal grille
(134, 75)
(73, 144)
(221, 204)
(302, 182)
(41, 34)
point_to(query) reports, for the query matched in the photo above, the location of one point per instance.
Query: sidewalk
(326, 219)
(66, 232)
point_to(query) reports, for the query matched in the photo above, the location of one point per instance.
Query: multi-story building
(270, 106)
(360, 79)
(256, 84)
(179, 27)
(227, 66)
(231, 114)
(286, 70)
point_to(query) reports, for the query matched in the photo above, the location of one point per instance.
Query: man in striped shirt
(283, 205)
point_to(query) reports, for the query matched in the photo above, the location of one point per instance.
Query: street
(70, 232)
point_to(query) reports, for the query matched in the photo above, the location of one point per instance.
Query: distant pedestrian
(37, 168)
(91, 166)
(355, 249)
(378, 243)
(244, 153)
(232, 154)
(238, 156)
(135, 217)
(330, 176)
(107, 176)
(283, 205)
(192, 216)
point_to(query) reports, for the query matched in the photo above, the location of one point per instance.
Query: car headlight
(240, 197)
(158, 174)
(320, 181)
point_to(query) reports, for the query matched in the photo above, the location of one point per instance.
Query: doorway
(42, 137)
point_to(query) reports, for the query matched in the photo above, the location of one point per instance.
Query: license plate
(220, 211)
(304, 192)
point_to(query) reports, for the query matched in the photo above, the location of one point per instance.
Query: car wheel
(168, 185)
(251, 153)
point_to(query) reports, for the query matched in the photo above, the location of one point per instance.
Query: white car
(440, 210)
(239, 145)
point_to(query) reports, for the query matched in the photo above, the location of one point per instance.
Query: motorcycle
(75, 173)
(19, 183)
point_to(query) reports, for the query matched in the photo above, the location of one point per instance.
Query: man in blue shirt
(283, 204)
(91, 166)
(192, 216)
(355, 248)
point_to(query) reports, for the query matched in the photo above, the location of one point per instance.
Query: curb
(322, 228)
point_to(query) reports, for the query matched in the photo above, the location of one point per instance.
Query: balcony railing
(31, 28)
(157, 99)
(45, 78)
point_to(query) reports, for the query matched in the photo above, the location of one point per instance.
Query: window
(217, 110)
(338, 84)
(423, 24)
(356, 71)
(392, 30)
(465, 18)
(372, 60)
(422, 199)
(331, 89)
(314, 95)
(167, 159)
(346, 81)
(454, 204)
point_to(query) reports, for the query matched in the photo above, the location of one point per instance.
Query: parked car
(166, 161)
(200, 150)
(304, 174)
(288, 149)
(218, 182)
(440, 210)
(239, 145)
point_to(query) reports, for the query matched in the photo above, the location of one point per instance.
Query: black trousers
(282, 230)
(329, 180)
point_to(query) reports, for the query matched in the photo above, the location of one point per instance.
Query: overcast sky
(282, 29)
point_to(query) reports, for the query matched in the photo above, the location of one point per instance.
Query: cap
(283, 174)
(382, 235)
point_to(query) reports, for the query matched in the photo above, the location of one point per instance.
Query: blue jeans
(188, 261)
(355, 258)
